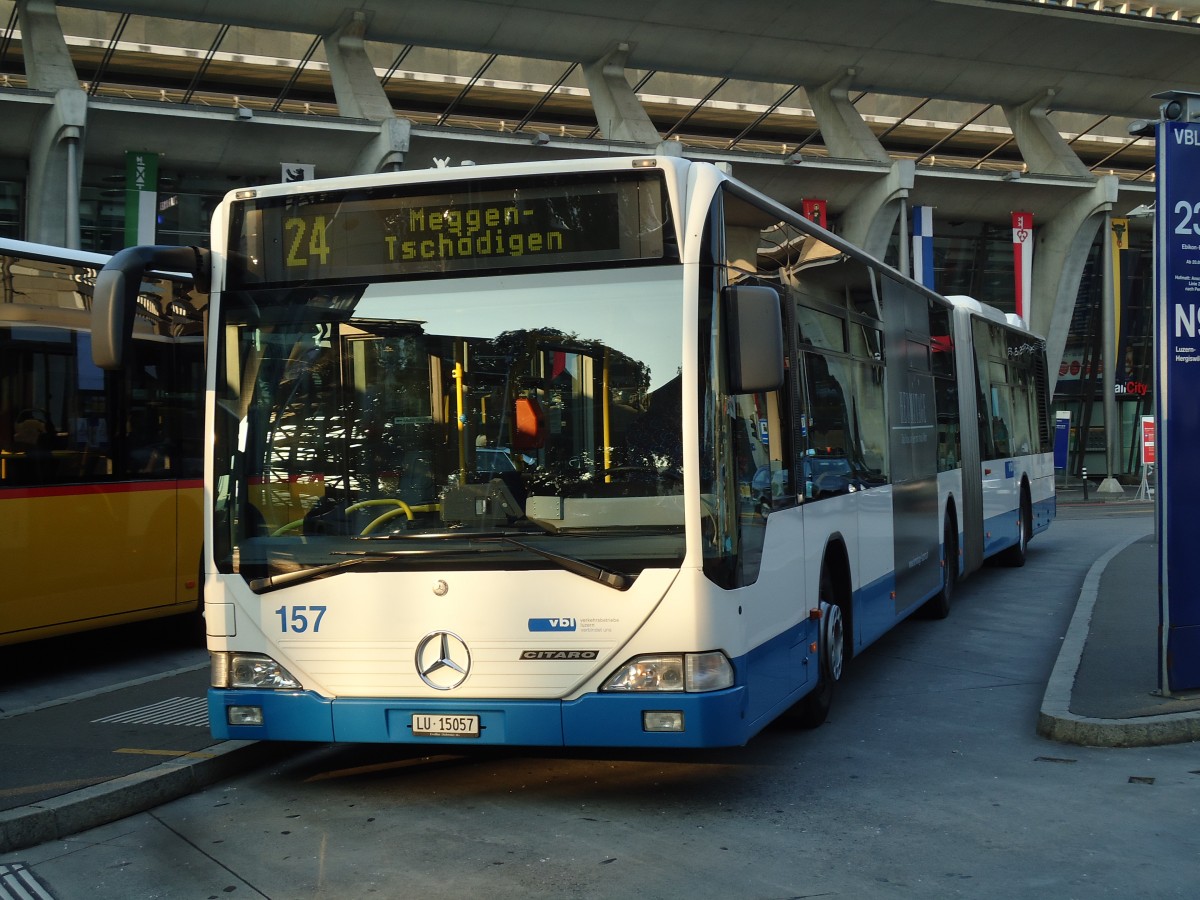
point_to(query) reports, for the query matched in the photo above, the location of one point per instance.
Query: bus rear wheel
(938, 606)
(1015, 555)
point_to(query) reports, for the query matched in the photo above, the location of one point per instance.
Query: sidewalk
(98, 757)
(1103, 691)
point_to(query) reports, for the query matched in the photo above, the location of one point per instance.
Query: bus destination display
(367, 235)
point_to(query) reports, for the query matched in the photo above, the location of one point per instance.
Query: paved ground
(103, 756)
(1105, 689)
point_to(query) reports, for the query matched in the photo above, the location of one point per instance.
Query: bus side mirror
(115, 297)
(753, 338)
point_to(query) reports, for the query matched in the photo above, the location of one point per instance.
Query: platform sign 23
(1178, 328)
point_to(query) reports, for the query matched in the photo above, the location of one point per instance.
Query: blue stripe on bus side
(874, 611)
(1044, 512)
(1003, 531)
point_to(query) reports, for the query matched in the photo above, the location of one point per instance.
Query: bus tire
(938, 606)
(813, 709)
(1015, 555)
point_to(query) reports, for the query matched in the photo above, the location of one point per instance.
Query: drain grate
(18, 883)
(190, 711)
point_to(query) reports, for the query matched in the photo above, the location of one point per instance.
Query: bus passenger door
(917, 529)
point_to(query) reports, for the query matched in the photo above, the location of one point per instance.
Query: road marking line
(190, 711)
(49, 785)
(18, 883)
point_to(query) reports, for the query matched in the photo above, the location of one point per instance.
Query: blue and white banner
(922, 245)
(1178, 370)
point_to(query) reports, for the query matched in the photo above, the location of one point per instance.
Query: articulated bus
(100, 472)
(593, 453)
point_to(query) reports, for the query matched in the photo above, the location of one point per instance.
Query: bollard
(1085, 482)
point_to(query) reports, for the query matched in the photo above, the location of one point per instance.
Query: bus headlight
(250, 670)
(691, 672)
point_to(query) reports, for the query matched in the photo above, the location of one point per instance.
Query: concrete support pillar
(619, 113)
(845, 133)
(871, 219)
(360, 95)
(1041, 145)
(55, 171)
(56, 147)
(47, 60)
(386, 152)
(1060, 252)
(356, 87)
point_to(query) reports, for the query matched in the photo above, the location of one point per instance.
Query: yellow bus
(100, 472)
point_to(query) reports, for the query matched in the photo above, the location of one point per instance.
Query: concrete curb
(102, 803)
(1058, 723)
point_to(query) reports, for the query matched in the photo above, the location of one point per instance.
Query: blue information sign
(1178, 369)
(1062, 435)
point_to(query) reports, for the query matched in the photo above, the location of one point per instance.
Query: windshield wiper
(607, 577)
(258, 585)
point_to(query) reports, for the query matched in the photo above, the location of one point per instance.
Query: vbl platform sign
(1177, 326)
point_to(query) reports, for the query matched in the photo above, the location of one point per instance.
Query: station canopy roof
(930, 77)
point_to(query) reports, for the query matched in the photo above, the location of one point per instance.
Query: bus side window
(757, 449)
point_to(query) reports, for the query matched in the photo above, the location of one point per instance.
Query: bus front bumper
(715, 719)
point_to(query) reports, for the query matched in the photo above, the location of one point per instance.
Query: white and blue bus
(593, 453)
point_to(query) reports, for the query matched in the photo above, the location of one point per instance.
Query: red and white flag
(1022, 225)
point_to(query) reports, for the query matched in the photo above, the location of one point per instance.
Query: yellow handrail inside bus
(402, 508)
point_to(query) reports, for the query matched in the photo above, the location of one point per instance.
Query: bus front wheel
(813, 709)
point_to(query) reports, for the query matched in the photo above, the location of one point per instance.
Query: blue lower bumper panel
(714, 719)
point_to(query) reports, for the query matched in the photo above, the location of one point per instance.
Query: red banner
(814, 210)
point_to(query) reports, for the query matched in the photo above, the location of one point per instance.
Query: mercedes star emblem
(443, 660)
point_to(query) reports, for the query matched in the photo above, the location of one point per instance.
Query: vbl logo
(560, 624)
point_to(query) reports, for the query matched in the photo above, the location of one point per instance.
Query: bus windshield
(545, 407)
